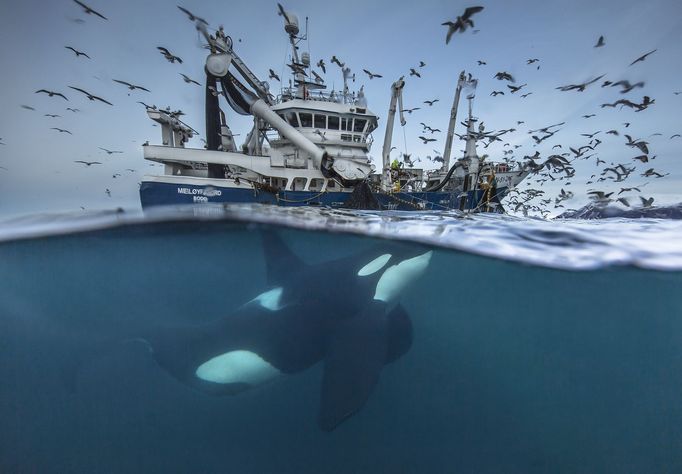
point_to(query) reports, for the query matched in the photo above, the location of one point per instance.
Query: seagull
(677, 135)
(88, 163)
(322, 66)
(413, 72)
(61, 130)
(422, 64)
(28, 107)
(51, 93)
(579, 87)
(516, 88)
(52, 115)
(642, 158)
(531, 61)
(273, 75)
(627, 87)
(189, 80)
(481, 63)
(78, 53)
(589, 116)
(504, 76)
(109, 152)
(461, 23)
(336, 60)
(191, 16)
(426, 140)
(523, 96)
(646, 202)
(90, 96)
(431, 102)
(643, 57)
(323, 135)
(409, 111)
(167, 54)
(496, 93)
(600, 42)
(650, 172)
(612, 132)
(625, 190)
(130, 86)
(372, 75)
(642, 145)
(73, 110)
(89, 10)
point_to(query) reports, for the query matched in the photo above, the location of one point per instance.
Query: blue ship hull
(160, 194)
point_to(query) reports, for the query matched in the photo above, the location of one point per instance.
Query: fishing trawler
(309, 147)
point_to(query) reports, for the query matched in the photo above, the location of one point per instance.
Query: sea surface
(538, 346)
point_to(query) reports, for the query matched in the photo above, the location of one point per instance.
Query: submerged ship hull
(159, 192)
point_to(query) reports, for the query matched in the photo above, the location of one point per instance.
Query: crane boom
(396, 98)
(453, 122)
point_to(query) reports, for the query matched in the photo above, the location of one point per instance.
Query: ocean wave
(564, 244)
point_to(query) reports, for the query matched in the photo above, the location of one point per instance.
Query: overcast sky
(386, 37)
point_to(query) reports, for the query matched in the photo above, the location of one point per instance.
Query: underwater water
(536, 346)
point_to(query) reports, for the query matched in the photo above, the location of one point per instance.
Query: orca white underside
(237, 367)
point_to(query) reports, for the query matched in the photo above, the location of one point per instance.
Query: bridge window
(306, 119)
(316, 184)
(320, 121)
(298, 184)
(292, 118)
(333, 122)
(359, 125)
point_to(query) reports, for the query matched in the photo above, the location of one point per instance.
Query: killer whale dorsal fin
(355, 355)
(280, 261)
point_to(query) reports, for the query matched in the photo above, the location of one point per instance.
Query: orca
(345, 313)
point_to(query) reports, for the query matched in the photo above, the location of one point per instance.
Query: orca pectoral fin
(355, 355)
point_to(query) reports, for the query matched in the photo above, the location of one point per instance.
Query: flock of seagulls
(557, 166)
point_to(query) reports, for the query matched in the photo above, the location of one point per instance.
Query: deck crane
(396, 98)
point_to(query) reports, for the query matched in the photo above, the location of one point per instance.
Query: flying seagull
(579, 87)
(61, 130)
(413, 72)
(88, 163)
(109, 152)
(600, 42)
(73, 110)
(28, 107)
(89, 10)
(52, 93)
(167, 54)
(189, 80)
(461, 23)
(322, 66)
(371, 74)
(90, 96)
(627, 87)
(431, 102)
(643, 57)
(337, 61)
(52, 115)
(273, 75)
(192, 17)
(78, 53)
(130, 86)
(504, 76)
